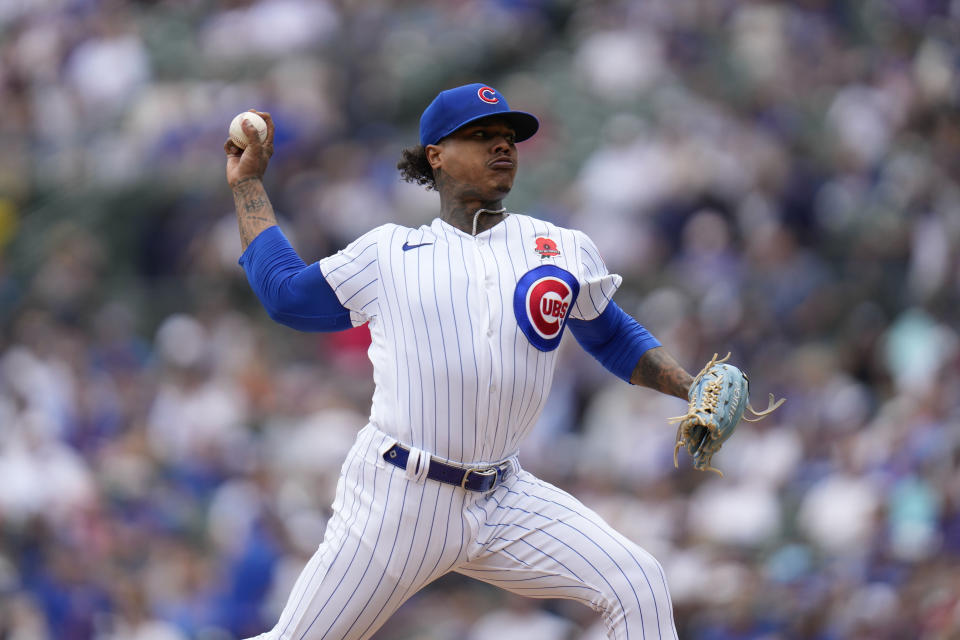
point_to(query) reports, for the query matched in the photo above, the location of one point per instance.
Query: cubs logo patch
(542, 302)
(547, 248)
(488, 95)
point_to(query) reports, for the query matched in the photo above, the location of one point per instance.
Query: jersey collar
(442, 227)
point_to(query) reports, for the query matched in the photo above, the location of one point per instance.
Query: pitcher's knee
(638, 603)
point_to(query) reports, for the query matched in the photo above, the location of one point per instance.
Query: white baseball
(236, 129)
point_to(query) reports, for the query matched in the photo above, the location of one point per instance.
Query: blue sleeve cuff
(293, 293)
(615, 339)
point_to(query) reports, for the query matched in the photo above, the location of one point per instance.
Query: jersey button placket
(492, 295)
(481, 297)
(493, 309)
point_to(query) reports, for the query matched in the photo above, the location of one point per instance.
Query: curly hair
(415, 168)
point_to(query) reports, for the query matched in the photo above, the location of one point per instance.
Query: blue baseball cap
(455, 108)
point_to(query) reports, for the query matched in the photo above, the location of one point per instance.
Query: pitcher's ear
(434, 152)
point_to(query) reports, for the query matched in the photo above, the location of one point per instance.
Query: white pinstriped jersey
(465, 329)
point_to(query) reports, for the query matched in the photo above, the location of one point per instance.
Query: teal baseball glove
(719, 397)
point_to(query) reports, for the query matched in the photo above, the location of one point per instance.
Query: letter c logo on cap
(488, 95)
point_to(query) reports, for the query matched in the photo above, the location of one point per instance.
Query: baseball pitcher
(466, 314)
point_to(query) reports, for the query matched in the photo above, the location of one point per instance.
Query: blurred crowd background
(776, 179)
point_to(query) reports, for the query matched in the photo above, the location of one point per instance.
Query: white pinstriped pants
(389, 536)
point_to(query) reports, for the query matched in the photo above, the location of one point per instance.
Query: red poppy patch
(547, 248)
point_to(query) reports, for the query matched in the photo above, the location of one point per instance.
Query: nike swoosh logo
(407, 246)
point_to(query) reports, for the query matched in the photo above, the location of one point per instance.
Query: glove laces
(708, 404)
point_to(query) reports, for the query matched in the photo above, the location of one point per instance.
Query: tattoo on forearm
(243, 181)
(257, 219)
(254, 211)
(251, 226)
(255, 204)
(658, 370)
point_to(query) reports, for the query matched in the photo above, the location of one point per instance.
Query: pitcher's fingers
(266, 118)
(231, 148)
(253, 136)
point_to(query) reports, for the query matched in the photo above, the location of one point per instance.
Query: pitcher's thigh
(387, 539)
(544, 543)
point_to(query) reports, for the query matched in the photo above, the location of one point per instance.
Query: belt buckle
(484, 472)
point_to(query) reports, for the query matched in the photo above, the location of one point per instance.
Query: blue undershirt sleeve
(294, 293)
(614, 338)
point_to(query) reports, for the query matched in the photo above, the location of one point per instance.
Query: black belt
(482, 479)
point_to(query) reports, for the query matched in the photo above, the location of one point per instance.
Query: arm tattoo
(254, 211)
(658, 370)
(255, 205)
